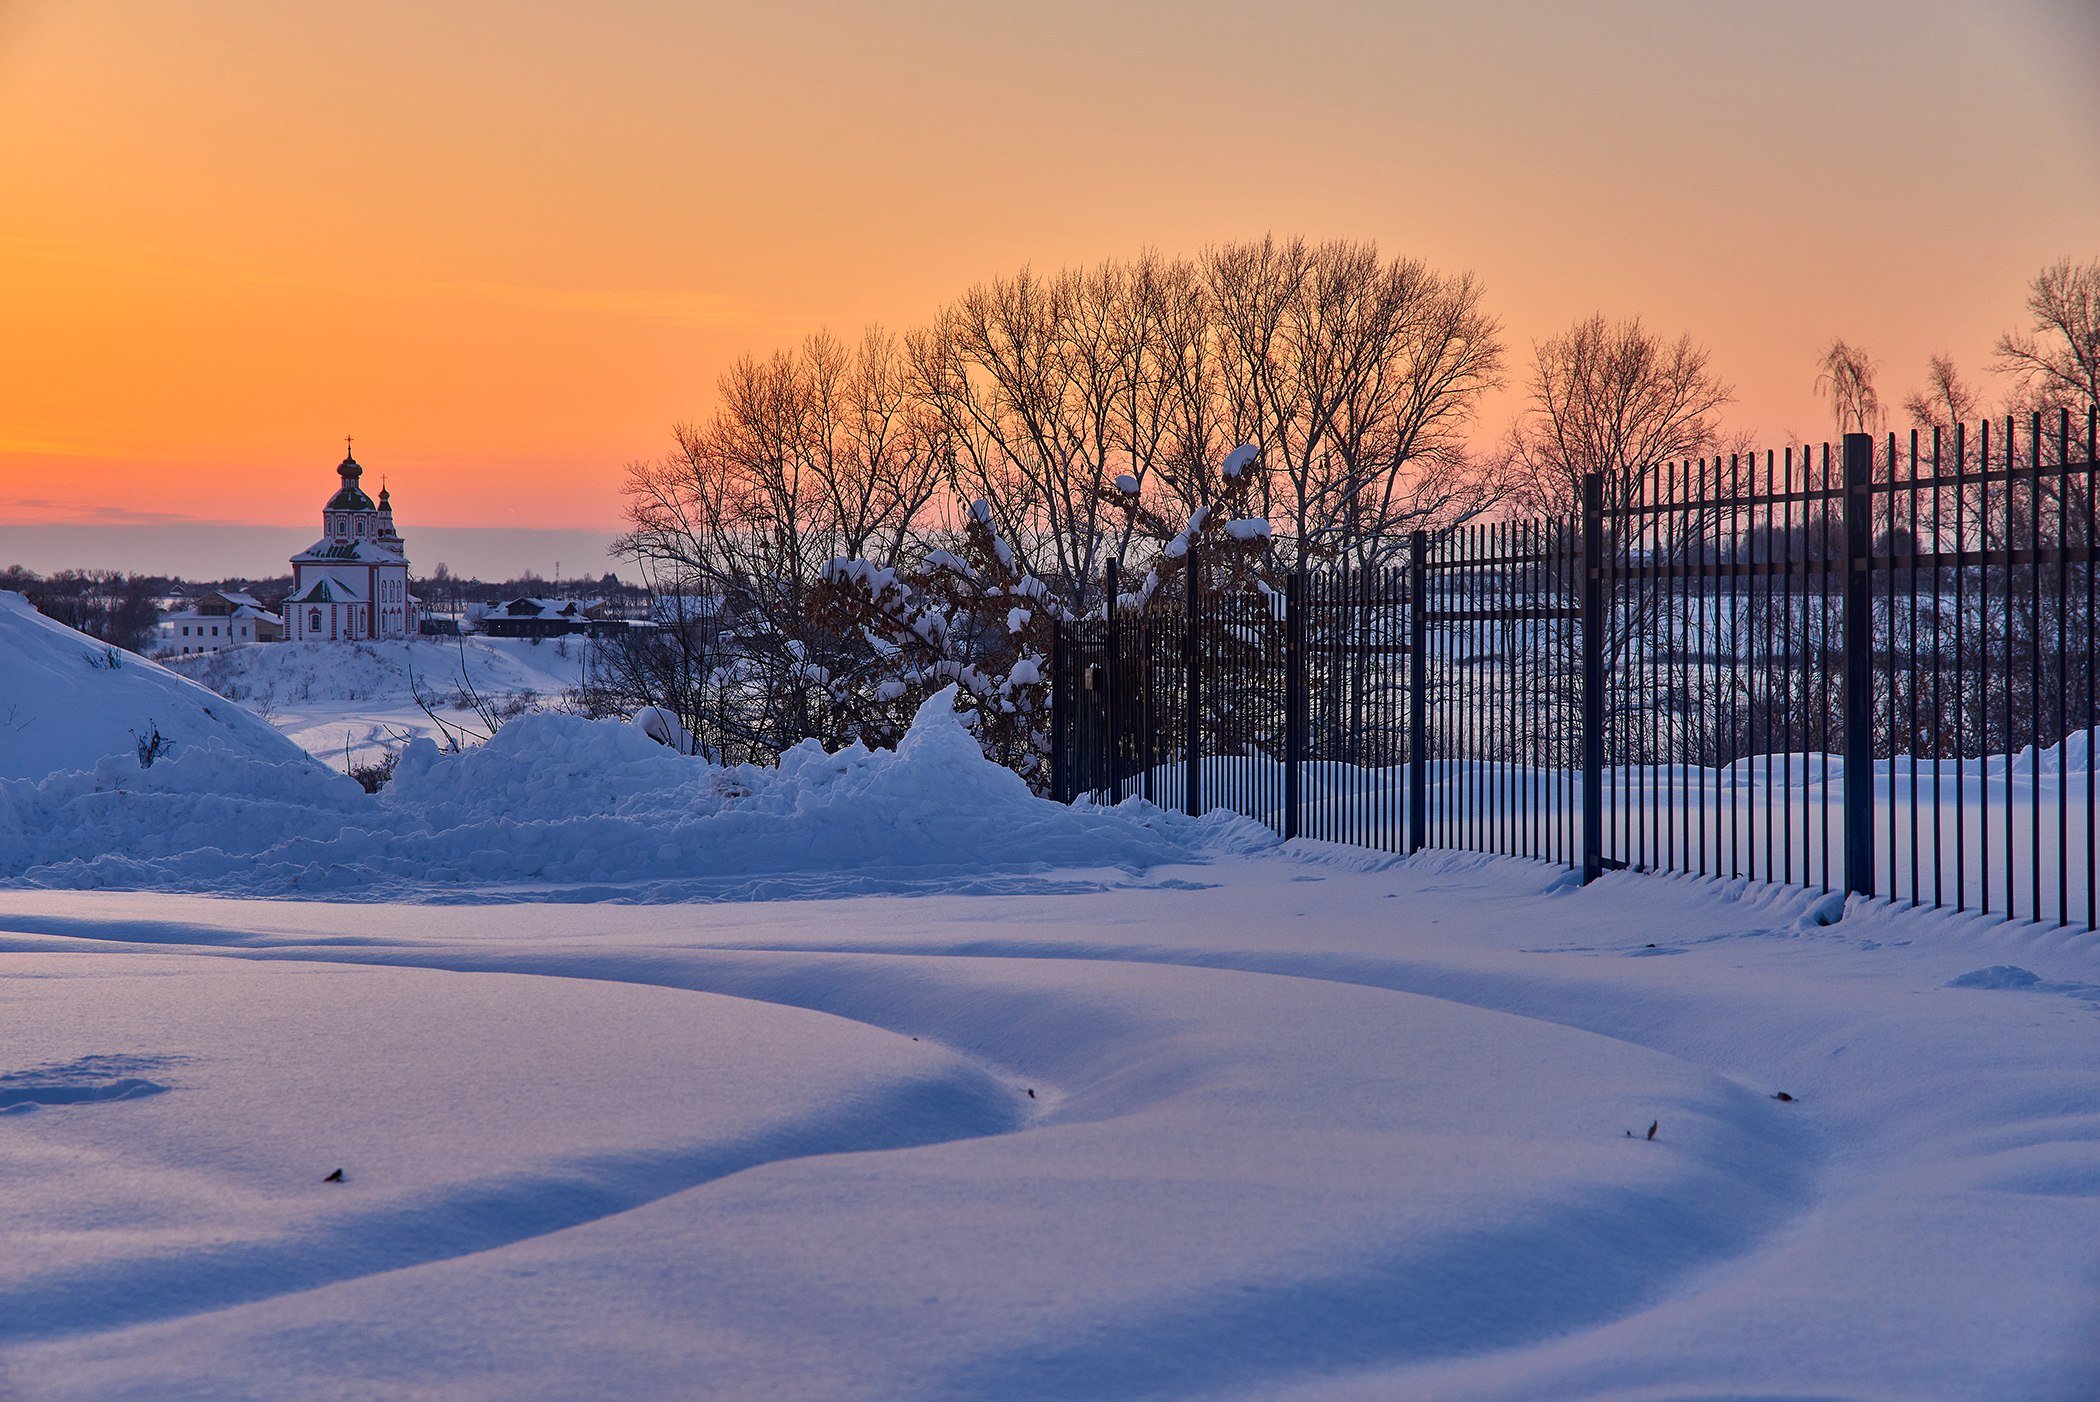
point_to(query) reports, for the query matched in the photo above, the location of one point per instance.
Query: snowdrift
(556, 800)
(70, 702)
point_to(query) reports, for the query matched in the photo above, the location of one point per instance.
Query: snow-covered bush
(972, 619)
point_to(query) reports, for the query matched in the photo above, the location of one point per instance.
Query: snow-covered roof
(541, 608)
(367, 551)
(249, 611)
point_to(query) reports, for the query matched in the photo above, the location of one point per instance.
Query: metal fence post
(1592, 676)
(1112, 691)
(1859, 665)
(1191, 693)
(1293, 697)
(1060, 714)
(1417, 689)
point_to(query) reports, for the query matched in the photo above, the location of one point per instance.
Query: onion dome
(349, 496)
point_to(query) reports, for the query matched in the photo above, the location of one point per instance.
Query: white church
(352, 582)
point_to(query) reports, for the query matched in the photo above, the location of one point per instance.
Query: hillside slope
(68, 701)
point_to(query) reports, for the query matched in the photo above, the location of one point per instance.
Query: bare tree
(1084, 416)
(1947, 399)
(1021, 374)
(1357, 377)
(2056, 361)
(813, 455)
(1845, 375)
(1612, 398)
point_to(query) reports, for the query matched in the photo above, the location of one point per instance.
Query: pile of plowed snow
(69, 702)
(556, 800)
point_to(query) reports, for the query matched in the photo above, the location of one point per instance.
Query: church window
(313, 620)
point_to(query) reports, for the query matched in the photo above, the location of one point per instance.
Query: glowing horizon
(508, 247)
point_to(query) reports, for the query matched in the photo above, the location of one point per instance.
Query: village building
(217, 619)
(544, 618)
(353, 582)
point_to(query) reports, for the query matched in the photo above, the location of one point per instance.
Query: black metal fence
(1869, 670)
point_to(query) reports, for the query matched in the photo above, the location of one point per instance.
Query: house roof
(541, 608)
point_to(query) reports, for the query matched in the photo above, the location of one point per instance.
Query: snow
(559, 800)
(68, 701)
(1252, 528)
(1179, 545)
(939, 559)
(663, 727)
(874, 1076)
(1127, 484)
(358, 699)
(1304, 1124)
(1238, 461)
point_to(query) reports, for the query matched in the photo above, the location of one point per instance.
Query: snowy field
(1284, 1124)
(571, 1066)
(359, 699)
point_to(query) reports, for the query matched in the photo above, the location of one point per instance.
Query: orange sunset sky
(509, 244)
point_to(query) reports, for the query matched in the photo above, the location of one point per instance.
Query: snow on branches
(969, 613)
(973, 617)
(1228, 536)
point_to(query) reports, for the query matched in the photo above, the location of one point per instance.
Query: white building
(353, 582)
(219, 619)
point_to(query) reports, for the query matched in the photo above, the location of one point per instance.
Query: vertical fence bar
(1060, 712)
(1788, 646)
(1592, 677)
(1939, 663)
(2010, 451)
(1417, 689)
(2034, 673)
(1960, 710)
(2061, 635)
(1858, 689)
(1293, 697)
(1888, 568)
(1191, 690)
(1910, 657)
(2092, 609)
(1112, 669)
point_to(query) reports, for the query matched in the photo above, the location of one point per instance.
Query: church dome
(349, 496)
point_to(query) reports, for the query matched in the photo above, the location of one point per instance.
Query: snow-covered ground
(359, 699)
(572, 809)
(873, 1076)
(1286, 1124)
(69, 702)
